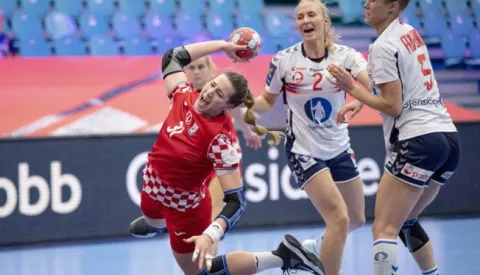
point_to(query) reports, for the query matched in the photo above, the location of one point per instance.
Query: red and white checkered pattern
(222, 153)
(180, 200)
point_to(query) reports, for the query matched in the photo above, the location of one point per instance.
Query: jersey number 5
(316, 84)
(425, 71)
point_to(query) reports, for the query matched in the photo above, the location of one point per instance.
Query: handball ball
(246, 36)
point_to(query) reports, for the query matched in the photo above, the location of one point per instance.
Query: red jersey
(190, 146)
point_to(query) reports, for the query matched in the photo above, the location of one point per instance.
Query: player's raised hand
(203, 244)
(341, 78)
(231, 50)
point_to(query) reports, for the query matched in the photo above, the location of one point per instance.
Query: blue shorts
(342, 167)
(418, 160)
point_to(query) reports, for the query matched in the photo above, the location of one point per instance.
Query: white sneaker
(312, 246)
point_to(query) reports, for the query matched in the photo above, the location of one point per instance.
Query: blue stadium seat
(132, 7)
(103, 46)
(456, 6)
(34, 47)
(199, 37)
(249, 6)
(59, 25)
(8, 6)
(71, 7)
(5, 27)
(435, 25)
(126, 26)
(461, 23)
(103, 7)
(157, 25)
(476, 8)
(431, 6)
(35, 7)
(289, 41)
(411, 20)
(167, 42)
(453, 48)
(352, 10)
(222, 6)
(193, 7)
(188, 24)
(411, 10)
(278, 24)
(26, 26)
(137, 46)
(253, 21)
(92, 25)
(219, 26)
(69, 46)
(269, 45)
(166, 7)
(474, 40)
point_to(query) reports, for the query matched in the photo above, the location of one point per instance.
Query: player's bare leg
(418, 241)
(395, 200)
(328, 201)
(216, 193)
(352, 193)
(290, 255)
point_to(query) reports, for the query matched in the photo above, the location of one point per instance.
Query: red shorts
(187, 213)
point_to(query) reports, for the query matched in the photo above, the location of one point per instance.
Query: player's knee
(357, 220)
(382, 230)
(219, 266)
(340, 222)
(413, 235)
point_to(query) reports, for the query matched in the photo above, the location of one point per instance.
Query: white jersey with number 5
(311, 101)
(399, 53)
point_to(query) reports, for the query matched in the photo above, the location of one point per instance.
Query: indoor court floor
(456, 243)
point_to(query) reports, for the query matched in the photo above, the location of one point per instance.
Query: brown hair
(330, 35)
(403, 4)
(243, 95)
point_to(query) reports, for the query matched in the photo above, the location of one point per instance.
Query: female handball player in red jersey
(199, 73)
(195, 140)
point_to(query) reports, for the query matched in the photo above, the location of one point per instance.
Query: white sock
(431, 271)
(266, 260)
(385, 257)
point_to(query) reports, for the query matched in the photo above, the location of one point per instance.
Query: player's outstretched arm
(265, 102)
(175, 59)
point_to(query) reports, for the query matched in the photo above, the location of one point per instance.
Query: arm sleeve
(355, 62)
(274, 81)
(223, 155)
(384, 59)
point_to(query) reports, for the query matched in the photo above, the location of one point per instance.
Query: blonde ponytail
(250, 118)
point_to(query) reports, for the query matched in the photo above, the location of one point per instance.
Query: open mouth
(309, 30)
(203, 102)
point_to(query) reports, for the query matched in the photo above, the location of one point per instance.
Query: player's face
(310, 21)
(199, 73)
(214, 96)
(377, 11)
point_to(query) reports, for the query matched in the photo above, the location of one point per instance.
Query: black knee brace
(219, 266)
(413, 235)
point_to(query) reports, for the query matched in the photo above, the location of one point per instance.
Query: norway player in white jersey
(317, 141)
(422, 142)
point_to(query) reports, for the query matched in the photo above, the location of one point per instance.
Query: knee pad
(219, 266)
(413, 236)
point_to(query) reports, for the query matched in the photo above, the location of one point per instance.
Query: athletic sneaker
(296, 257)
(140, 229)
(312, 246)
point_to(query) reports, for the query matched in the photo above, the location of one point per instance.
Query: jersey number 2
(316, 84)
(425, 71)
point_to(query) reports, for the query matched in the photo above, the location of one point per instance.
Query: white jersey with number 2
(311, 101)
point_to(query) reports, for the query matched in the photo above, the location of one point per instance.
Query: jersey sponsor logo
(188, 118)
(230, 156)
(298, 77)
(179, 233)
(193, 129)
(318, 110)
(429, 101)
(177, 129)
(298, 68)
(271, 73)
(416, 173)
